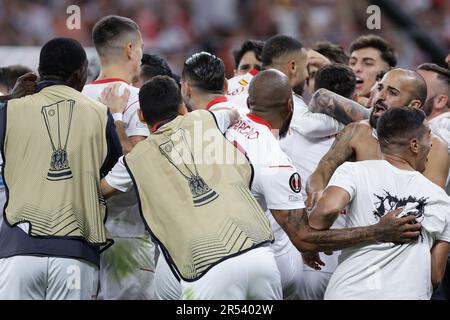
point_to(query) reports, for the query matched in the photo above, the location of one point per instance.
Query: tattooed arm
(340, 151)
(307, 239)
(342, 109)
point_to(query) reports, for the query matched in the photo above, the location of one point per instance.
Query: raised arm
(340, 151)
(342, 109)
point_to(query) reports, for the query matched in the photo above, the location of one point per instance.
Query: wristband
(118, 116)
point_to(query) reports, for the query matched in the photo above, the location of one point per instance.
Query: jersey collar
(259, 120)
(108, 80)
(215, 101)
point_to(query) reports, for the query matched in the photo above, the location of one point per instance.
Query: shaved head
(270, 97)
(414, 83)
(269, 89)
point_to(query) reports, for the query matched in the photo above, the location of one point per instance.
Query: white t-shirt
(124, 219)
(276, 183)
(133, 126)
(238, 89)
(382, 270)
(313, 125)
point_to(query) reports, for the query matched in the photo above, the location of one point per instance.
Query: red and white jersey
(238, 89)
(133, 126)
(276, 183)
(314, 125)
(124, 219)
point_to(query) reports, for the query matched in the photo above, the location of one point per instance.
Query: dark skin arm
(25, 85)
(340, 151)
(342, 109)
(389, 228)
(308, 239)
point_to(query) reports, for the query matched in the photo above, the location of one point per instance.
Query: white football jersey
(124, 219)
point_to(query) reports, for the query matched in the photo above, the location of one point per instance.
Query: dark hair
(153, 65)
(110, 28)
(332, 51)
(205, 71)
(159, 98)
(9, 75)
(249, 45)
(398, 125)
(382, 73)
(336, 77)
(373, 41)
(61, 57)
(443, 74)
(278, 46)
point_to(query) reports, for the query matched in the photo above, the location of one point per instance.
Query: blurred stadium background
(176, 28)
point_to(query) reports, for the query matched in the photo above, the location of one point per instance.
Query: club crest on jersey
(295, 182)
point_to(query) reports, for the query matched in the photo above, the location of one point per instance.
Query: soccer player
(399, 87)
(437, 105)
(248, 57)
(306, 153)
(127, 270)
(369, 54)
(321, 50)
(371, 188)
(211, 230)
(54, 147)
(152, 65)
(9, 76)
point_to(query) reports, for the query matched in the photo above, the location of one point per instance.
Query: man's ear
(129, 50)
(141, 116)
(440, 102)
(292, 66)
(414, 146)
(415, 104)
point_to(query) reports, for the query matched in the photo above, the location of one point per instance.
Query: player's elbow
(436, 278)
(303, 241)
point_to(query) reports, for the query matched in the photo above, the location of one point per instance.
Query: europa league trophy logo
(201, 192)
(57, 118)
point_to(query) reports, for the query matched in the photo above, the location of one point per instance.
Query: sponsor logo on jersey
(295, 182)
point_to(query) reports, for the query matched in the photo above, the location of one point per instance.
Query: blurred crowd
(176, 28)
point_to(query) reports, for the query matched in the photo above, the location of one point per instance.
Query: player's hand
(111, 98)
(24, 86)
(393, 229)
(312, 199)
(316, 59)
(312, 260)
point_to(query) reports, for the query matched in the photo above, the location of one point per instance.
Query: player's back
(403, 269)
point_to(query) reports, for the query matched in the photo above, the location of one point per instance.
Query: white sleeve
(119, 178)
(280, 186)
(222, 119)
(315, 125)
(344, 177)
(134, 126)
